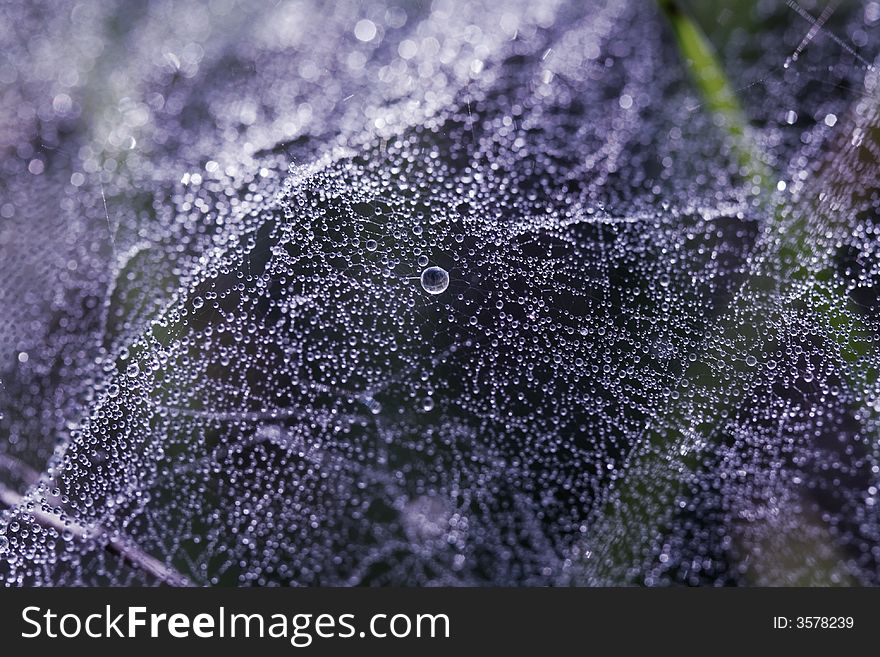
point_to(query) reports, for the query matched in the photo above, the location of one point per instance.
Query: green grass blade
(715, 90)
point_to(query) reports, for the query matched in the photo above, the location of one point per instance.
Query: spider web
(221, 366)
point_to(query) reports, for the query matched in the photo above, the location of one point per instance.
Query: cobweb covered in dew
(435, 293)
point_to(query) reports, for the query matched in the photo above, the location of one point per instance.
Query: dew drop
(435, 280)
(365, 30)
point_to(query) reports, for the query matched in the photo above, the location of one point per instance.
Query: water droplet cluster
(459, 293)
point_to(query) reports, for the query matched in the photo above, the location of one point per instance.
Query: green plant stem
(715, 90)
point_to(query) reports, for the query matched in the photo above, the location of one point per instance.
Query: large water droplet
(435, 280)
